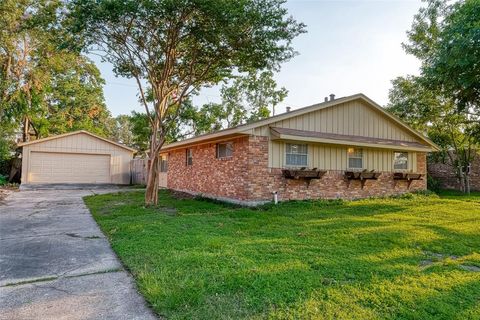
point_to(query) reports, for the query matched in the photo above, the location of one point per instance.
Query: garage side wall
(82, 144)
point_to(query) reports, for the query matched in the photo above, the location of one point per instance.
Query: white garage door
(47, 167)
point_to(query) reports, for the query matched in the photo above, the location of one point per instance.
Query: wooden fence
(139, 171)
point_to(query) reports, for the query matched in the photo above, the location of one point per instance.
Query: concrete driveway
(55, 263)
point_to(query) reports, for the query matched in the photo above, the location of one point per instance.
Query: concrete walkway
(55, 263)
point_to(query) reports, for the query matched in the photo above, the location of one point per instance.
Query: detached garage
(78, 157)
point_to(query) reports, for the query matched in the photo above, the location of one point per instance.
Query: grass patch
(458, 195)
(400, 258)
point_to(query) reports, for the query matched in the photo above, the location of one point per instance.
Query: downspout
(275, 197)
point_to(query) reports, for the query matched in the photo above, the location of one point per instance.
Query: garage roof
(74, 133)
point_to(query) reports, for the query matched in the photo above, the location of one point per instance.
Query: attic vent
(332, 97)
(289, 109)
(326, 99)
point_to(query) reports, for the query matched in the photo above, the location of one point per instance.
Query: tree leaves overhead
(455, 65)
(446, 39)
(193, 43)
(45, 89)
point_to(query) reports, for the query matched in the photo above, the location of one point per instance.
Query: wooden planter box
(363, 176)
(305, 174)
(407, 176)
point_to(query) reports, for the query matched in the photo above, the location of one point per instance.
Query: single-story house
(348, 148)
(78, 157)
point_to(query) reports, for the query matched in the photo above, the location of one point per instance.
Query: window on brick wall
(163, 163)
(189, 157)
(355, 158)
(224, 150)
(296, 155)
(400, 160)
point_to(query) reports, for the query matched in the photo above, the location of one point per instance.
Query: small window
(189, 157)
(224, 150)
(163, 163)
(355, 158)
(296, 155)
(400, 160)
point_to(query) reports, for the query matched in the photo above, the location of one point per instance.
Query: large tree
(45, 89)
(453, 64)
(246, 98)
(175, 47)
(437, 116)
(251, 98)
(443, 100)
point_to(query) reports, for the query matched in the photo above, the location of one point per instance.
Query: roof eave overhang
(196, 142)
(287, 137)
(22, 144)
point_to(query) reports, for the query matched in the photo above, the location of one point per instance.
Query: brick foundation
(246, 177)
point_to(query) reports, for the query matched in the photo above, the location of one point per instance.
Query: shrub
(3, 180)
(432, 183)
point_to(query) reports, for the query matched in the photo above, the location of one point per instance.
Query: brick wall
(246, 176)
(209, 175)
(444, 173)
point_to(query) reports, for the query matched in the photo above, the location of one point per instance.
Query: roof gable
(249, 128)
(353, 118)
(68, 134)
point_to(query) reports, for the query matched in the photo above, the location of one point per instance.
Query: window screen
(296, 154)
(189, 157)
(400, 161)
(224, 150)
(355, 158)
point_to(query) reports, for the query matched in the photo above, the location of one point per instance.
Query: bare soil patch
(5, 191)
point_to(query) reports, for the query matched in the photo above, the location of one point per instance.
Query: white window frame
(301, 154)
(228, 146)
(352, 150)
(394, 159)
(189, 157)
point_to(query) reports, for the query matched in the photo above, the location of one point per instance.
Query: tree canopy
(45, 89)
(446, 38)
(443, 101)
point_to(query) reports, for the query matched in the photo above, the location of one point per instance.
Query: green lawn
(414, 257)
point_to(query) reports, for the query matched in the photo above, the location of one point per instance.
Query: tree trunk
(26, 126)
(467, 183)
(151, 192)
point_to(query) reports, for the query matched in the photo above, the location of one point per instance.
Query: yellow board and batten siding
(332, 157)
(351, 118)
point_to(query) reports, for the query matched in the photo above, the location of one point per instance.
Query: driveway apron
(55, 263)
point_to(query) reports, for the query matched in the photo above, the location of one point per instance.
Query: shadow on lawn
(342, 262)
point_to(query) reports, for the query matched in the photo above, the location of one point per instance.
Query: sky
(350, 47)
